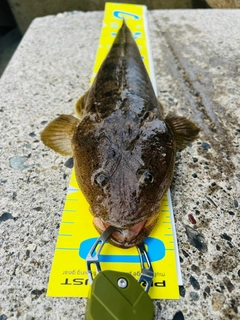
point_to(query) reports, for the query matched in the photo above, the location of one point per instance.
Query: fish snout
(128, 236)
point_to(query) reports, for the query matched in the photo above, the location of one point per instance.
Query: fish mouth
(127, 237)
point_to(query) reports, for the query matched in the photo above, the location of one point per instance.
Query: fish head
(122, 167)
(124, 177)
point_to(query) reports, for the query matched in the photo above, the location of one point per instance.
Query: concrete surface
(196, 56)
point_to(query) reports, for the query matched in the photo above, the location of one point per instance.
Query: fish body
(123, 147)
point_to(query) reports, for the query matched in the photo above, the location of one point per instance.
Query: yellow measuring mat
(77, 234)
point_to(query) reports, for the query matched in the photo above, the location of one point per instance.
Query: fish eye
(101, 179)
(145, 177)
(148, 116)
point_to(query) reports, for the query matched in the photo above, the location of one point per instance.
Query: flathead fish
(123, 146)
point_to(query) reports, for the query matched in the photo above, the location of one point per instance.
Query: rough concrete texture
(196, 57)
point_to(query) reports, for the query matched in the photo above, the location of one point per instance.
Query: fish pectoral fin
(184, 130)
(80, 104)
(58, 134)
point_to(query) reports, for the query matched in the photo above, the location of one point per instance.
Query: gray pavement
(196, 56)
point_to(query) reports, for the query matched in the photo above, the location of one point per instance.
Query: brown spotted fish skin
(123, 148)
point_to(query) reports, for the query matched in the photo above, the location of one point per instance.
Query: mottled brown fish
(123, 147)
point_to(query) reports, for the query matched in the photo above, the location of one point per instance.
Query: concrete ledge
(196, 56)
(26, 10)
